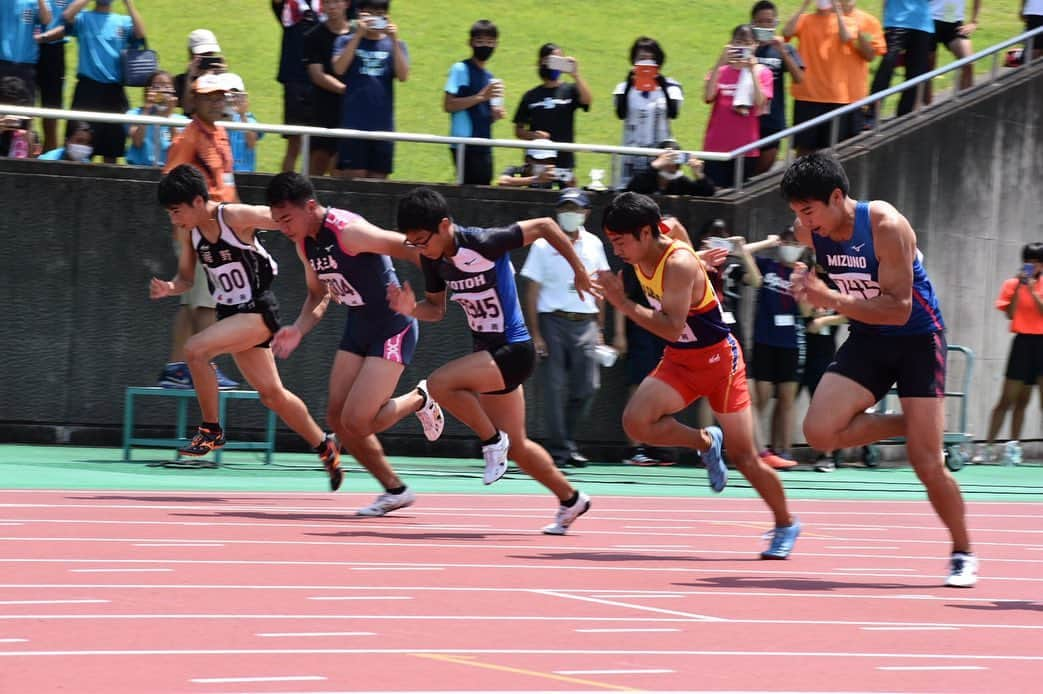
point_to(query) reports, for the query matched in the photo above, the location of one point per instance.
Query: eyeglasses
(419, 244)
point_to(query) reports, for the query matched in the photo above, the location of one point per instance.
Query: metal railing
(738, 154)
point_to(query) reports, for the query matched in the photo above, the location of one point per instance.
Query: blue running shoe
(714, 460)
(223, 382)
(176, 375)
(782, 541)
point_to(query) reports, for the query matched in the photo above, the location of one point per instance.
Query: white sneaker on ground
(986, 453)
(388, 502)
(1012, 453)
(495, 455)
(963, 570)
(567, 514)
(430, 415)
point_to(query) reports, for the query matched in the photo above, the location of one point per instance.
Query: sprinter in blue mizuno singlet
(346, 259)
(869, 251)
(239, 272)
(483, 389)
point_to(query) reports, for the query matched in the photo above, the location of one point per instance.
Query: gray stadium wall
(80, 244)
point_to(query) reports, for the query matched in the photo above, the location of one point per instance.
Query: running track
(131, 592)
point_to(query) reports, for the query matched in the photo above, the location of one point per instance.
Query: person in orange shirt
(204, 145)
(1021, 299)
(837, 43)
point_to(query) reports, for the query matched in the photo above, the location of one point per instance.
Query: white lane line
(9, 523)
(630, 606)
(652, 546)
(117, 570)
(230, 680)
(900, 668)
(177, 544)
(361, 597)
(51, 602)
(397, 568)
(612, 672)
(862, 547)
(622, 631)
(874, 569)
(923, 628)
(294, 634)
(616, 596)
(13, 640)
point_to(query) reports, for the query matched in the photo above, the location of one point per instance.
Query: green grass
(598, 33)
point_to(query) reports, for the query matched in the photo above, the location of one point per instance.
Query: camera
(378, 22)
(681, 158)
(763, 34)
(210, 62)
(557, 62)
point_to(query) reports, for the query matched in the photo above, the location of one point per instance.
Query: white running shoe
(986, 453)
(430, 415)
(388, 502)
(1012, 453)
(495, 455)
(963, 570)
(567, 514)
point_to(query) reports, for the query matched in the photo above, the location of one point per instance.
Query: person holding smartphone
(665, 174)
(149, 143)
(1021, 300)
(204, 56)
(548, 112)
(774, 53)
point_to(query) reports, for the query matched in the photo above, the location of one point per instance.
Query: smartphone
(681, 158)
(563, 175)
(378, 22)
(1028, 269)
(735, 52)
(718, 242)
(557, 62)
(763, 34)
(646, 73)
(209, 62)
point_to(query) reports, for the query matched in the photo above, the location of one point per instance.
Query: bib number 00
(231, 286)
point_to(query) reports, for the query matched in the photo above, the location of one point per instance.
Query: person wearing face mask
(102, 35)
(778, 347)
(540, 170)
(548, 112)
(78, 139)
(474, 101)
(665, 175)
(566, 327)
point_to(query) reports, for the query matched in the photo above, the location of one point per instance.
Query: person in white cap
(539, 170)
(237, 108)
(204, 55)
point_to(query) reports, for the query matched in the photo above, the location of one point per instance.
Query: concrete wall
(81, 242)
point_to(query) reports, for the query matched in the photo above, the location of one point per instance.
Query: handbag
(139, 63)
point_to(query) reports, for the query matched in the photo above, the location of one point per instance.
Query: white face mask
(79, 152)
(537, 169)
(790, 254)
(825, 4)
(571, 221)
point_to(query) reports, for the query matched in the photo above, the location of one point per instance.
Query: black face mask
(547, 74)
(483, 53)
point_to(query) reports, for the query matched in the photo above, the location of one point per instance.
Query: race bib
(856, 283)
(341, 289)
(483, 309)
(784, 320)
(230, 284)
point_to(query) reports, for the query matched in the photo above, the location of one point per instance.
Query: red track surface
(130, 592)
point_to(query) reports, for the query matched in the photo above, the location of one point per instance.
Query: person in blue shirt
(243, 142)
(484, 389)
(149, 143)
(78, 144)
(369, 60)
(474, 100)
(868, 249)
(50, 68)
(18, 49)
(102, 36)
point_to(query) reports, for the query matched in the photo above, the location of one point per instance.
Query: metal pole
(460, 163)
(739, 163)
(834, 131)
(305, 154)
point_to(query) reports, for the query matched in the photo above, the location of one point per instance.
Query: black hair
(14, 92)
(422, 209)
(762, 5)
(787, 234)
(742, 29)
(713, 227)
(1032, 253)
(183, 184)
(629, 213)
(644, 43)
(374, 5)
(289, 186)
(77, 126)
(546, 49)
(814, 177)
(484, 28)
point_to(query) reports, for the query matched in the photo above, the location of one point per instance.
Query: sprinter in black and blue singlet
(240, 272)
(869, 252)
(346, 259)
(483, 389)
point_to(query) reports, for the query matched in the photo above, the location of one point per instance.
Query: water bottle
(497, 101)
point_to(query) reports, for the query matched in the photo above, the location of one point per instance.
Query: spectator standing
(296, 17)
(237, 109)
(646, 104)
(328, 90)
(566, 327)
(951, 31)
(837, 42)
(474, 100)
(732, 124)
(101, 37)
(18, 49)
(1032, 15)
(204, 56)
(50, 68)
(149, 143)
(1021, 300)
(369, 61)
(666, 176)
(78, 140)
(548, 112)
(773, 53)
(540, 170)
(909, 32)
(17, 140)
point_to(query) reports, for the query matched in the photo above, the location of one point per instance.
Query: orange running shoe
(776, 461)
